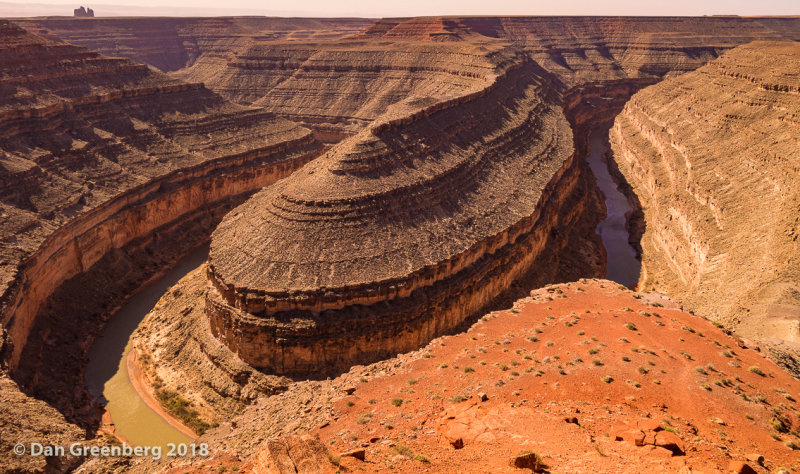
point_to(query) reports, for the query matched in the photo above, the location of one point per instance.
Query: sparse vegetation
(364, 419)
(756, 370)
(631, 326)
(182, 409)
(403, 450)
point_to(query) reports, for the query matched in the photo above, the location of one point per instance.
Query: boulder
(669, 440)
(292, 454)
(740, 467)
(360, 454)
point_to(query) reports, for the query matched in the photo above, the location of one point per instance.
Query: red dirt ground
(544, 362)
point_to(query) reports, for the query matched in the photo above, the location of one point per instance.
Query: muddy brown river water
(107, 373)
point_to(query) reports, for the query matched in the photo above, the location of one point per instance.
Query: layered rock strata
(175, 43)
(713, 157)
(99, 159)
(337, 75)
(399, 233)
(337, 88)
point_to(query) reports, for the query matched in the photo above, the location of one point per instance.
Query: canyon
(419, 173)
(712, 156)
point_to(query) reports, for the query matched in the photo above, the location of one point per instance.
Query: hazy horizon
(368, 9)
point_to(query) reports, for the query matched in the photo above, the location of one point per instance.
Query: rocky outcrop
(292, 454)
(712, 155)
(367, 252)
(101, 158)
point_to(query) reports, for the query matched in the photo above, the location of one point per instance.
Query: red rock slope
(589, 376)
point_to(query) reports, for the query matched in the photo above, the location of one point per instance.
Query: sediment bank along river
(107, 372)
(622, 265)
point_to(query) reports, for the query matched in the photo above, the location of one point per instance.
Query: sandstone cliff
(99, 159)
(713, 157)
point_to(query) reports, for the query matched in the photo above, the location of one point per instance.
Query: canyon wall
(337, 87)
(102, 157)
(175, 43)
(336, 76)
(713, 157)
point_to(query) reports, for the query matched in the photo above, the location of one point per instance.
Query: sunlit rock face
(713, 157)
(400, 232)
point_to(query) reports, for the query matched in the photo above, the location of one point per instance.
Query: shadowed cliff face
(108, 171)
(713, 157)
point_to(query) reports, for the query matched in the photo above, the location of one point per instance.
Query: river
(622, 265)
(107, 373)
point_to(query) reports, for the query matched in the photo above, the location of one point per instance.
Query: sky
(378, 8)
